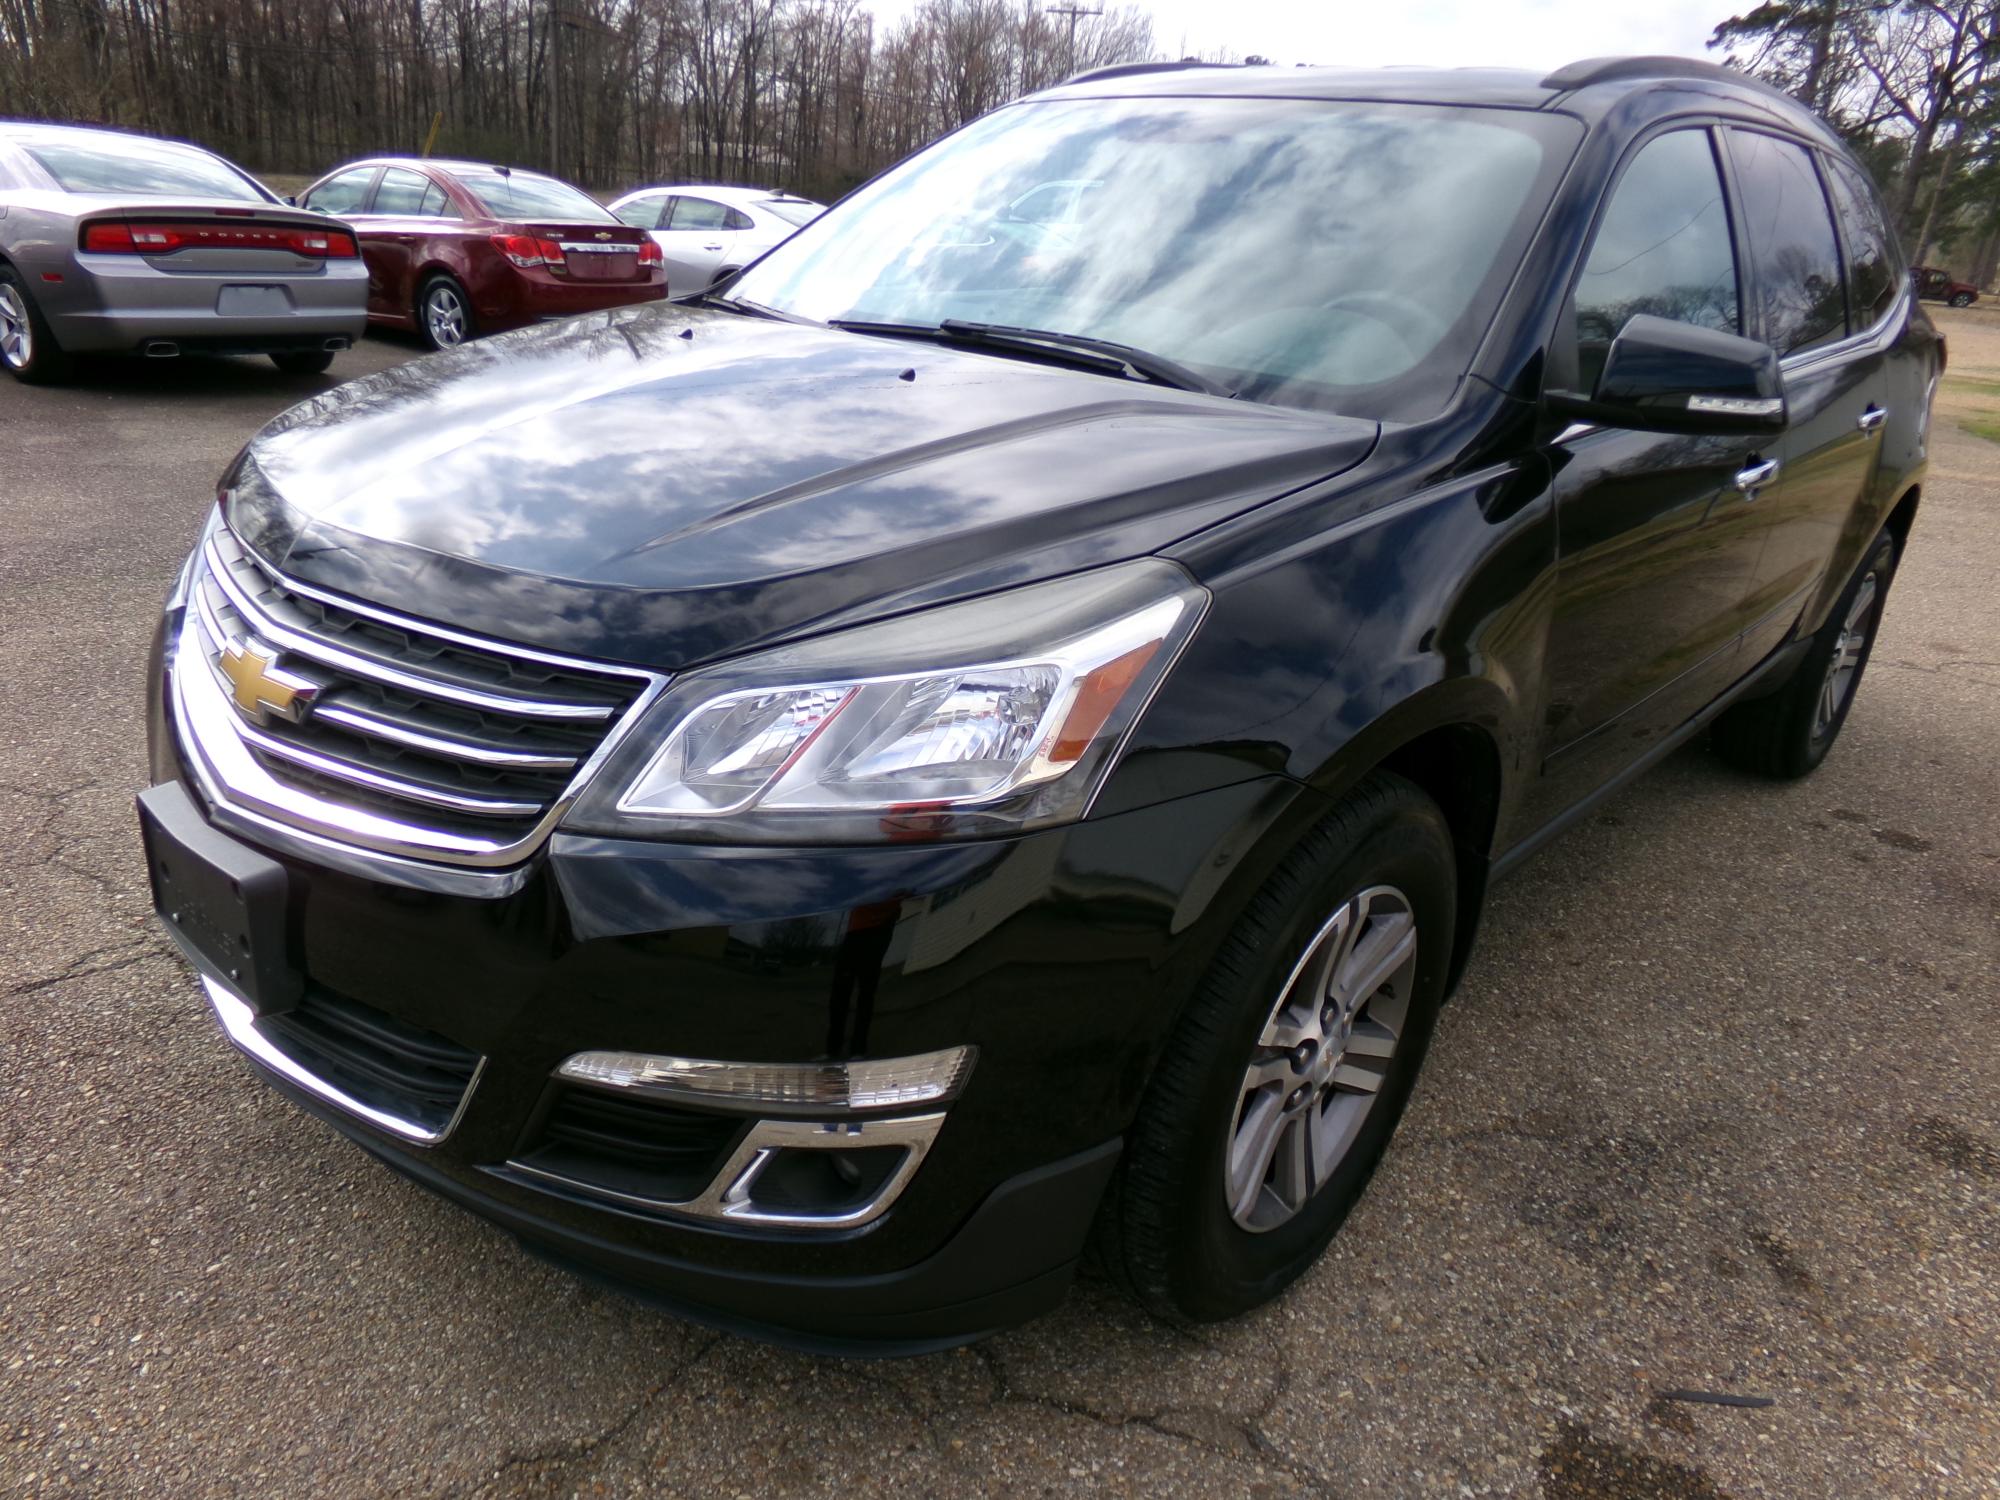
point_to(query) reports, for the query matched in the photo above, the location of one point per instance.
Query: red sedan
(456, 249)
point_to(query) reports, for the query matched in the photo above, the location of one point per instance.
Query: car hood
(666, 486)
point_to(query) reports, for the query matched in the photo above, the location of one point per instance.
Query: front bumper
(116, 304)
(1062, 956)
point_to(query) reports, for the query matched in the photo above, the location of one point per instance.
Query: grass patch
(1984, 385)
(1984, 427)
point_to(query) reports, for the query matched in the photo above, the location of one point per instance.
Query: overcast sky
(1541, 34)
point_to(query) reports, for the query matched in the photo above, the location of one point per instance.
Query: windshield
(793, 210)
(523, 195)
(1336, 255)
(157, 169)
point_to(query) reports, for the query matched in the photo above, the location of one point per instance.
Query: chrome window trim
(239, 1024)
(727, 1200)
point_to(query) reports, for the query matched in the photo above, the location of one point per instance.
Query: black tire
(35, 358)
(1788, 733)
(1168, 1233)
(307, 362)
(1961, 299)
(434, 332)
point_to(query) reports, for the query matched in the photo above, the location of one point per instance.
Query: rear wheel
(27, 348)
(1788, 734)
(1288, 1072)
(305, 362)
(444, 313)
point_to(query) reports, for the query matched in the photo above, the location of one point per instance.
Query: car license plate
(223, 902)
(253, 302)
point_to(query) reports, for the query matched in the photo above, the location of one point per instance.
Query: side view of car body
(813, 807)
(112, 243)
(457, 249)
(1940, 285)
(709, 233)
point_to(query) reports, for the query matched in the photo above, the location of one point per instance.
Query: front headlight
(991, 716)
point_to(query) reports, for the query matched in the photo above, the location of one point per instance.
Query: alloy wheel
(444, 315)
(1845, 663)
(17, 334)
(1322, 1058)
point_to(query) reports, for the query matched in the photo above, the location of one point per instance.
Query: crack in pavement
(144, 948)
(559, 1456)
(1261, 1446)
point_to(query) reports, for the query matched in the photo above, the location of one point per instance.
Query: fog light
(881, 1083)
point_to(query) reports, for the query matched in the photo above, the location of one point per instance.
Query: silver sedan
(709, 233)
(117, 243)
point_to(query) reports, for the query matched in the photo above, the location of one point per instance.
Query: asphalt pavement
(1715, 1114)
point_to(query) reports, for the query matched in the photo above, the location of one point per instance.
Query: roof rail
(1591, 70)
(1121, 70)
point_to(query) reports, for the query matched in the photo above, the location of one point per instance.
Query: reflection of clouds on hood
(753, 449)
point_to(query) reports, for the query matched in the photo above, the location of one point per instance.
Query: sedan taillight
(649, 253)
(121, 238)
(525, 251)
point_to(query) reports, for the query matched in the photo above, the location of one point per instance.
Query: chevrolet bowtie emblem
(261, 689)
(604, 234)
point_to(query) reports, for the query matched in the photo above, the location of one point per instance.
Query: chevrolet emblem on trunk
(260, 689)
(604, 234)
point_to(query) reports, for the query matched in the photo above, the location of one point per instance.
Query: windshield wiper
(738, 305)
(1087, 352)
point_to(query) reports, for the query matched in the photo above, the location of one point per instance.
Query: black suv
(996, 724)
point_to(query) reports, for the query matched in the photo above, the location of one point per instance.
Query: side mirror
(1663, 376)
(292, 199)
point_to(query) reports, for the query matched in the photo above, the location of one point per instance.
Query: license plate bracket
(253, 302)
(223, 902)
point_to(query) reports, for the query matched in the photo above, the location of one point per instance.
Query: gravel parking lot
(1717, 1109)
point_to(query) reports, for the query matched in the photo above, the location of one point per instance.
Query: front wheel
(444, 313)
(1788, 734)
(1287, 1074)
(27, 348)
(1961, 299)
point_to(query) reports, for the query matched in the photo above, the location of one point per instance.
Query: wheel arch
(1448, 741)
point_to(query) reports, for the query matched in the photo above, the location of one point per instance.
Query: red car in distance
(456, 249)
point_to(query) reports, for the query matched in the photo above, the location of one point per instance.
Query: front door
(1658, 535)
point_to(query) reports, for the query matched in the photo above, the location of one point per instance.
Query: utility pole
(1072, 11)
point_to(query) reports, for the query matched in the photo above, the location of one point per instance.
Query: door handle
(1754, 477)
(1872, 419)
(711, 247)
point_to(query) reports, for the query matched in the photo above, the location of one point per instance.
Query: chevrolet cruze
(990, 734)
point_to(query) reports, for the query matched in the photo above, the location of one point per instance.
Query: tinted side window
(699, 213)
(400, 192)
(342, 194)
(643, 213)
(1871, 262)
(1791, 240)
(1662, 248)
(436, 205)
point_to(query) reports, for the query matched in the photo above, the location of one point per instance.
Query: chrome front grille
(359, 724)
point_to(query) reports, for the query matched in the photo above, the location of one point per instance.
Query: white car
(709, 232)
